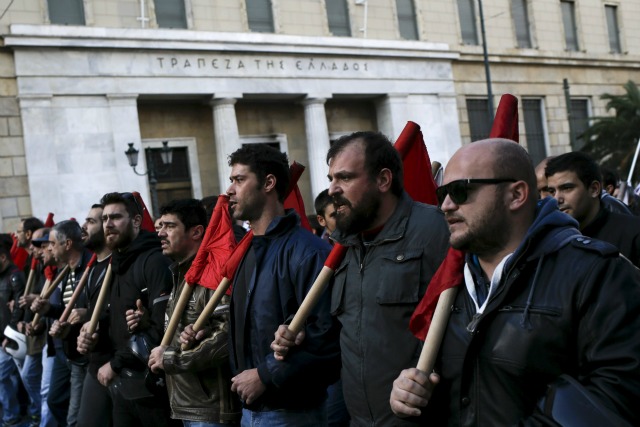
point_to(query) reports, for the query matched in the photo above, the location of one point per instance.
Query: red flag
(232, 264)
(18, 255)
(217, 245)
(418, 179)
(450, 273)
(49, 222)
(505, 125)
(147, 222)
(50, 272)
(294, 198)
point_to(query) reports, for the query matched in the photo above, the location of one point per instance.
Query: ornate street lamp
(166, 155)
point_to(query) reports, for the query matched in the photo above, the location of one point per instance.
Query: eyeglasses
(458, 190)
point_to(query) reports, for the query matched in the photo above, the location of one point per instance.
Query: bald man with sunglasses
(545, 328)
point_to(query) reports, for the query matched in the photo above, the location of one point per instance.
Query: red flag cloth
(34, 263)
(50, 272)
(336, 256)
(49, 222)
(505, 125)
(231, 266)
(294, 198)
(147, 222)
(450, 273)
(418, 179)
(18, 255)
(217, 245)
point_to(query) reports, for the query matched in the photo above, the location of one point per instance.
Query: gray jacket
(376, 290)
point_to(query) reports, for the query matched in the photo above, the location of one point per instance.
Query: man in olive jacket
(198, 380)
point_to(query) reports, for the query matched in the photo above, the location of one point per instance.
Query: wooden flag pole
(187, 290)
(102, 297)
(30, 280)
(78, 290)
(311, 299)
(210, 307)
(48, 290)
(435, 334)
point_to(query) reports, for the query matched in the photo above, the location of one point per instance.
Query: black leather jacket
(566, 304)
(199, 379)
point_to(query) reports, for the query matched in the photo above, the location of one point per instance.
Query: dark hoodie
(566, 304)
(139, 272)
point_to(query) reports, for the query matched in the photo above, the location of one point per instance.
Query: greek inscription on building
(220, 65)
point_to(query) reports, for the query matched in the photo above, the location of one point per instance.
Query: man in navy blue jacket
(270, 284)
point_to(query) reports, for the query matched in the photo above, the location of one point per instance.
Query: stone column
(317, 132)
(225, 136)
(392, 115)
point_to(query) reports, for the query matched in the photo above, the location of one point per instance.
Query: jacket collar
(181, 268)
(394, 228)
(281, 224)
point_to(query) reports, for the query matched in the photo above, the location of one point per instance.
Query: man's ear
(28, 234)
(270, 183)
(137, 220)
(384, 180)
(321, 220)
(518, 194)
(197, 232)
(595, 189)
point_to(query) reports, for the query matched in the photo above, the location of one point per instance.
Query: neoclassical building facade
(81, 79)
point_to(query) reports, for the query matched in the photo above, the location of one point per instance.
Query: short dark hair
(190, 212)
(6, 242)
(379, 153)
(127, 199)
(209, 203)
(610, 177)
(31, 224)
(577, 162)
(264, 160)
(97, 206)
(321, 202)
(68, 229)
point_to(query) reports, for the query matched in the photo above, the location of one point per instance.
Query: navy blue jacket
(288, 260)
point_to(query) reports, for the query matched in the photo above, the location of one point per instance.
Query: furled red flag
(418, 179)
(147, 222)
(505, 125)
(49, 222)
(18, 255)
(450, 273)
(294, 198)
(217, 245)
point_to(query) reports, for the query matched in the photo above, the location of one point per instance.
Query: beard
(95, 242)
(120, 240)
(359, 217)
(487, 234)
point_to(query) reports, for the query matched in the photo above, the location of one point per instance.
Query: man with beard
(24, 234)
(545, 329)
(269, 286)
(69, 367)
(95, 405)
(395, 246)
(198, 380)
(141, 279)
(575, 181)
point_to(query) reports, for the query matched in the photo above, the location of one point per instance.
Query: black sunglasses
(458, 190)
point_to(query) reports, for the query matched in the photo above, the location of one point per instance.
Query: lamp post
(487, 71)
(166, 155)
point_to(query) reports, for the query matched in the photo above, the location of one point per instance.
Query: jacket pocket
(399, 277)
(337, 292)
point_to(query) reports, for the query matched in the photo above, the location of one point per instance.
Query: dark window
(579, 121)
(407, 19)
(467, 14)
(612, 26)
(171, 14)
(66, 12)
(174, 182)
(569, 23)
(338, 17)
(534, 129)
(479, 121)
(260, 16)
(521, 23)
